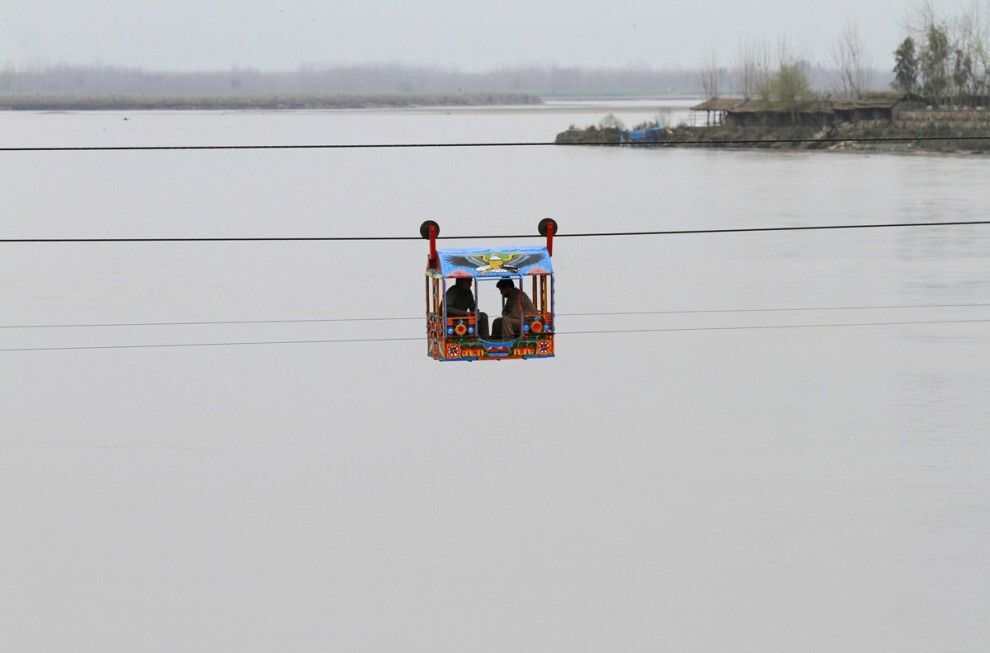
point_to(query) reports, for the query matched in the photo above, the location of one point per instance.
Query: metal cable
(567, 333)
(598, 234)
(326, 146)
(420, 317)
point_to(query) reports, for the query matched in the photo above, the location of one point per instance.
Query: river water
(746, 474)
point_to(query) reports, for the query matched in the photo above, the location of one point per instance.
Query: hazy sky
(191, 34)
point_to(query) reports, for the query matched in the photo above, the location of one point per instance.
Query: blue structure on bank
(653, 133)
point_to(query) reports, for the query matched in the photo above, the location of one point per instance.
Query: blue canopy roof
(495, 262)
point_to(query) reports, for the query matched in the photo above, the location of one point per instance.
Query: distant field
(255, 102)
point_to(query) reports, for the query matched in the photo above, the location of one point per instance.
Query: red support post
(431, 230)
(548, 227)
(433, 247)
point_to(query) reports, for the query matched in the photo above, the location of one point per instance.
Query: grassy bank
(826, 138)
(831, 138)
(255, 102)
(588, 136)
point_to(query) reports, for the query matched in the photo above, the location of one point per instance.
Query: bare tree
(745, 73)
(710, 77)
(753, 70)
(765, 71)
(982, 87)
(851, 67)
(746, 69)
(967, 33)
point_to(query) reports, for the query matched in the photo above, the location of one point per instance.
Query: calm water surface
(703, 488)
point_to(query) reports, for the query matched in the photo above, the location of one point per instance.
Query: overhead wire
(590, 234)
(420, 317)
(778, 326)
(566, 333)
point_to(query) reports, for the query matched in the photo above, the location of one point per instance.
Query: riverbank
(924, 135)
(258, 102)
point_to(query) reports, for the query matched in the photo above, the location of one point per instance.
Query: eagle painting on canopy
(494, 262)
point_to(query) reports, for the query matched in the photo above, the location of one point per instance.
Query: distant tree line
(270, 102)
(369, 79)
(358, 79)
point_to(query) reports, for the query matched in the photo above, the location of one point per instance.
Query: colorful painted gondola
(457, 337)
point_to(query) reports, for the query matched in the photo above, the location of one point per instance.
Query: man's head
(504, 286)
(463, 282)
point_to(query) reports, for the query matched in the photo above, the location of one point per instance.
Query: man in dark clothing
(460, 302)
(517, 304)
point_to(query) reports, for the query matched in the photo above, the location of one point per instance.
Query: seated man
(460, 302)
(517, 304)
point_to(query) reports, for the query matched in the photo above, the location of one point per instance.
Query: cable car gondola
(531, 329)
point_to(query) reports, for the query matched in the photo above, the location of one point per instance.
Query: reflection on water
(792, 485)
